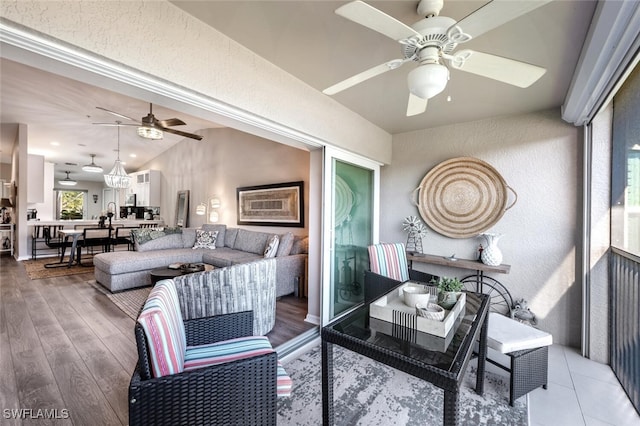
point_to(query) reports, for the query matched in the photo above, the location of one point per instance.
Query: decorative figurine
(416, 231)
(522, 313)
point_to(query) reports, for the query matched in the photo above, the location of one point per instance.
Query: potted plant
(448, 290)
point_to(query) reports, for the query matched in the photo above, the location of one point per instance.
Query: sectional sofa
(123, 270)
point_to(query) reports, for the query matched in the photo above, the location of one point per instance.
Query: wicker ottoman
(527, 349)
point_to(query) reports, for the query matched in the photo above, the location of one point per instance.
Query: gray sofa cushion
(230, 237)
(251, 241)
(286, 242)
(171, 241)
(300, 245)
(221, 232)
(225, 256)
(121, 262)
(188, 237)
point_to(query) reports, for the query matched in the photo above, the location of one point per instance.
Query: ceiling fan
(150, 127)
(433, 40)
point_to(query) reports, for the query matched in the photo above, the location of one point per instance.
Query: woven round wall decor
(344, 201)
(462, 197)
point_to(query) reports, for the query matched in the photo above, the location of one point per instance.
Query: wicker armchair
(240, 389)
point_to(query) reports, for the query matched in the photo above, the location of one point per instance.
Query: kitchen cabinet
(146, 185)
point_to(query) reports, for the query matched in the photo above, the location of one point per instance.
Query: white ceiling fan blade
(365, 75)
(494, 14)
(416, 105)
(363, 14)
(498, 68)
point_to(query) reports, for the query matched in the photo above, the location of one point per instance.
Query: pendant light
(117, 177)
(93, 167)
(67, 181)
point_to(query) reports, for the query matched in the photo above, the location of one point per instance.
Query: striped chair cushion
(389, 260)
(161, 320)
(233, 350)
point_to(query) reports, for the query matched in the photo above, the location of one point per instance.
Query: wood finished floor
(66, 346)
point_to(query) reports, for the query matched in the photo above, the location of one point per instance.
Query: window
(625, 213)
(71, 205)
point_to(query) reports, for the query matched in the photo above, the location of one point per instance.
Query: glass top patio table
(441, 361)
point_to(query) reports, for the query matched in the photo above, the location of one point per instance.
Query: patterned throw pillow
(272, 246)
(206, 239)
(144, 235)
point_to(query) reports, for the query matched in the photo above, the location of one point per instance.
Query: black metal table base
(352, 333)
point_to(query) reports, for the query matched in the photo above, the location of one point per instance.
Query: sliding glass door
(351, 224)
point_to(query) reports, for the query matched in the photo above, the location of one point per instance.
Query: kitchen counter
(74, 222)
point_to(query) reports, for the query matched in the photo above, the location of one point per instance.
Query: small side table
(6, 237)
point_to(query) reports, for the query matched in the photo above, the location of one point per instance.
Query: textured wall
(537, 156)
(224, 160)
(158, 38)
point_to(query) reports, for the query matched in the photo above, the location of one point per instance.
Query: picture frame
(279, 204)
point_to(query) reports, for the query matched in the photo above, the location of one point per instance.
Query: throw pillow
(206, 239)
(300, 245)
(272, 246)
(144, 235)
(221, 232)
(286, 242)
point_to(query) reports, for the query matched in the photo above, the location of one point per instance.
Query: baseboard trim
(312, 319)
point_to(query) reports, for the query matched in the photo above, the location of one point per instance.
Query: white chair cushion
(507, 335)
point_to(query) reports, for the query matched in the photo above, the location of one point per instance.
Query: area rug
(128, 301)
(369, 393)
(35, 268)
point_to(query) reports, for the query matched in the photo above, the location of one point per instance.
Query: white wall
(537, 155)
(225, 160)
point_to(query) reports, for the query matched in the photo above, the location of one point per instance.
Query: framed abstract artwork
(278, 204)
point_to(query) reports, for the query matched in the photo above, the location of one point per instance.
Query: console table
(501, 300)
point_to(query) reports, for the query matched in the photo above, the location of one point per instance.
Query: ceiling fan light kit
(150, 133)
(428, 80)
(433, 39)
(93, 167)
(67, 181)
(149, 127)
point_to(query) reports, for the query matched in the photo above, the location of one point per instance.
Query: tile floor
(580, 392)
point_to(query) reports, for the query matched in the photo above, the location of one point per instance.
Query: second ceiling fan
(432, 40)
(150, 127)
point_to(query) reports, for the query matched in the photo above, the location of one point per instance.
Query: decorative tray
(391, 308)
(426, 340)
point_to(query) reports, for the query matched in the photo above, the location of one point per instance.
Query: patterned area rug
(369, 393)
(36, 269)
(128, 301)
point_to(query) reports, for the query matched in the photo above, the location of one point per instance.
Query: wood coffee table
(167, 273)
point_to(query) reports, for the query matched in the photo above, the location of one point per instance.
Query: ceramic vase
(447, 299)
(491, 254)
